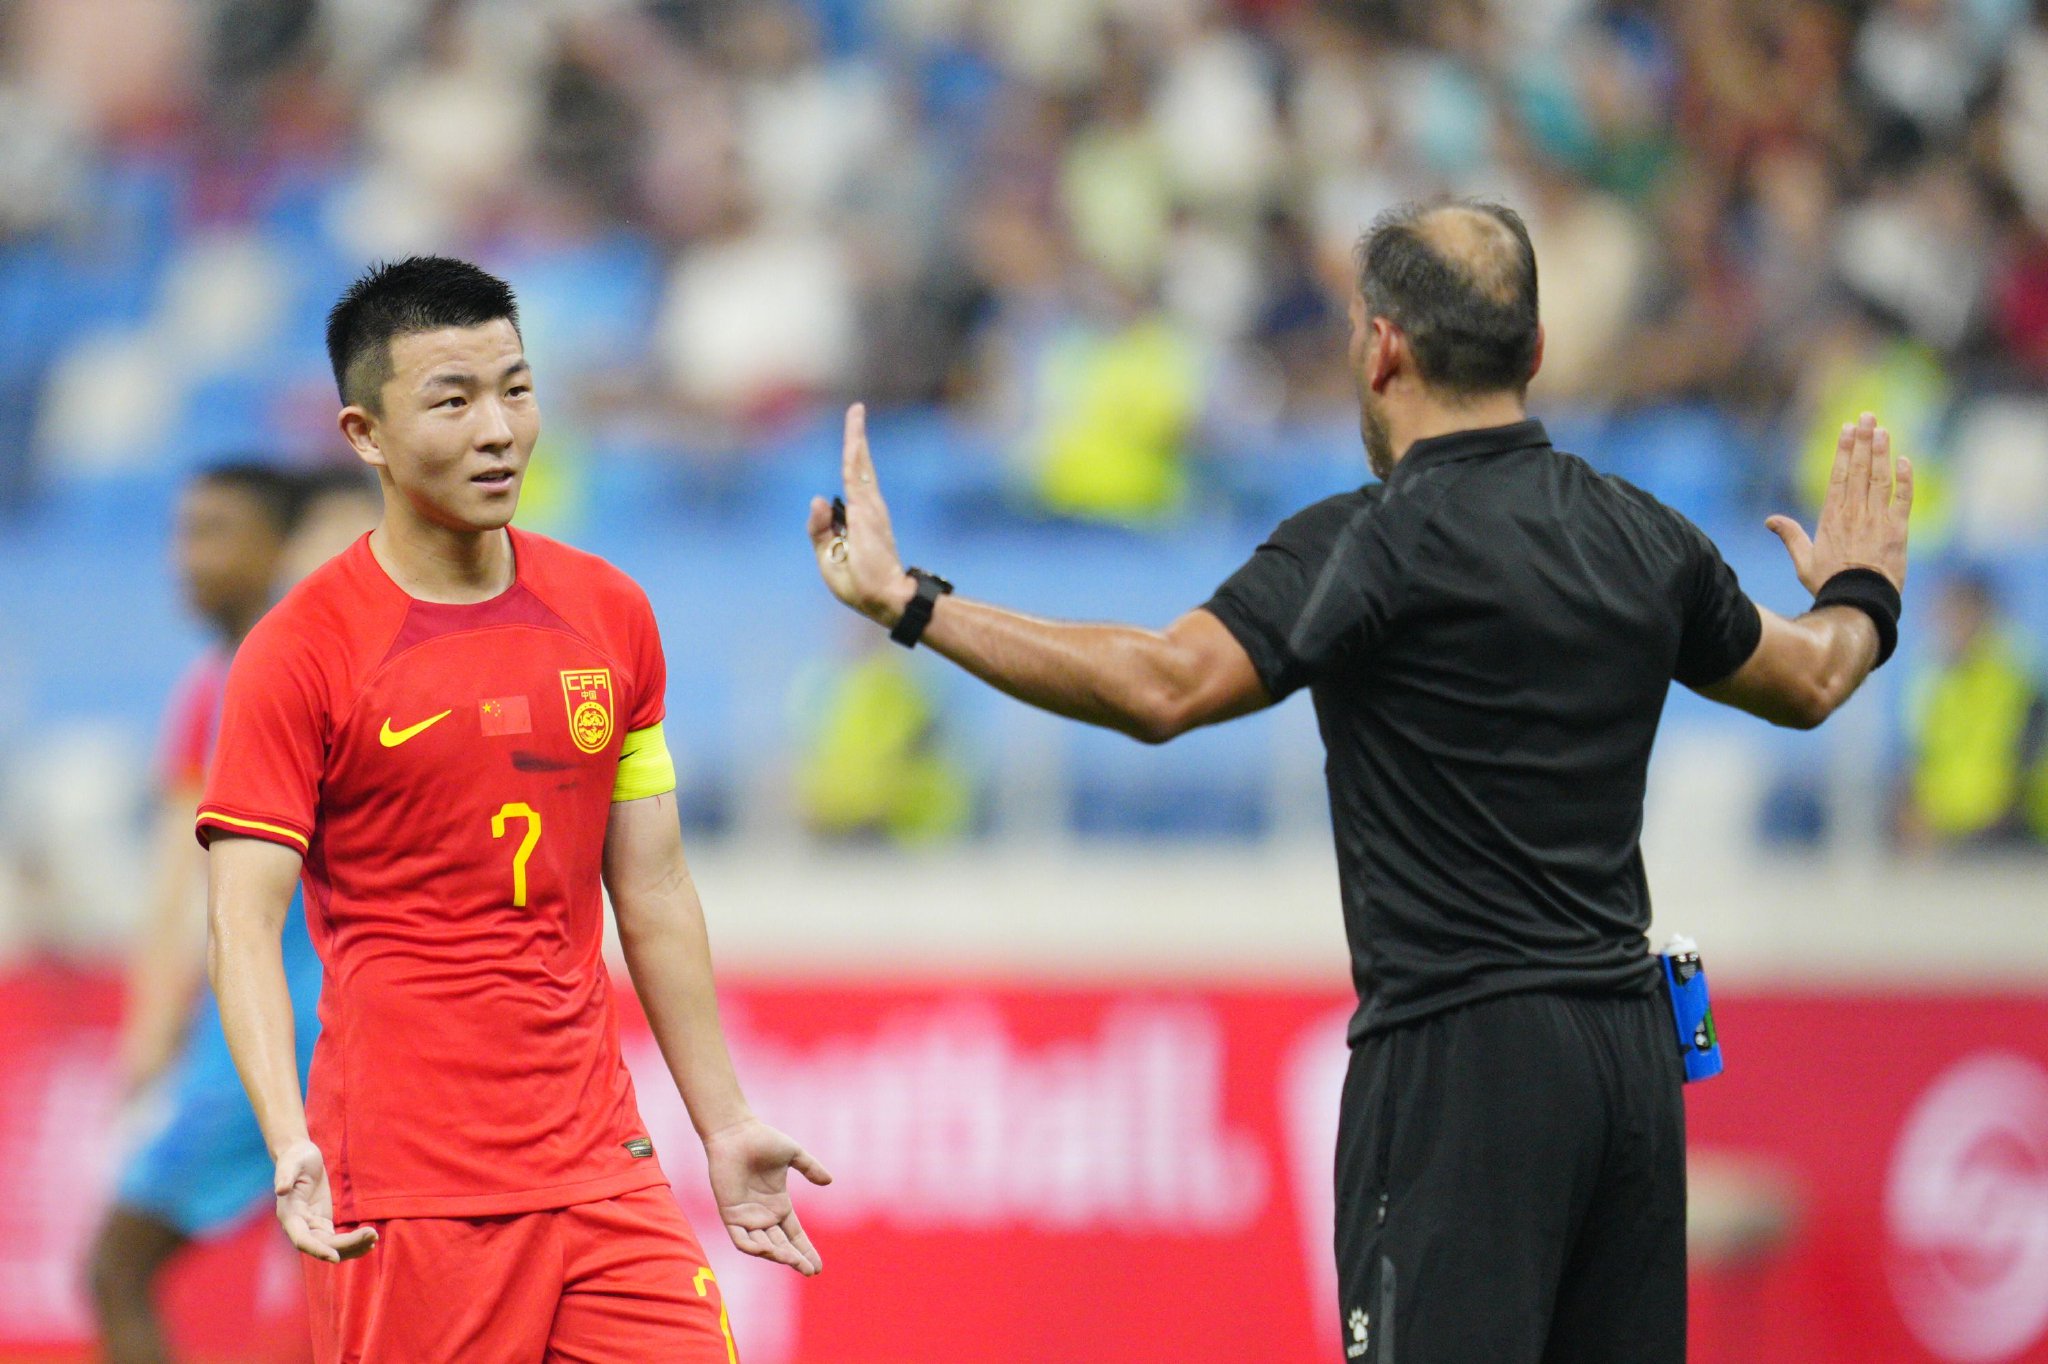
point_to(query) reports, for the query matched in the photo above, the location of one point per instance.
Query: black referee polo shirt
(1489, 636)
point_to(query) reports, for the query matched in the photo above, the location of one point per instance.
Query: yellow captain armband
(645, 767)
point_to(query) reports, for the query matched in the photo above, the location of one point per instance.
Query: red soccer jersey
(189, 721)
(448, 773)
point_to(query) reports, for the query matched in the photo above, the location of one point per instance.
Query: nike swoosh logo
(392, 738)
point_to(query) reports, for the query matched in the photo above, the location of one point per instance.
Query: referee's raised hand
(1863, 519)
(858, 558)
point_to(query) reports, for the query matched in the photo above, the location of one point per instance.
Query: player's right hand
(306, 1208)
(1863, 521)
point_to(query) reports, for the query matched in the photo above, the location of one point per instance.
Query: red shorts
(619, 1281)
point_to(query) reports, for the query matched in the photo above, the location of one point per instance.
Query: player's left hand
(860, 563)
(750, 1164)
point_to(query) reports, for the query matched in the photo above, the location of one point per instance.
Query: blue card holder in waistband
(1685, 979)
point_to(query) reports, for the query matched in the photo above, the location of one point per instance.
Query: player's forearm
(246, 961)
(1117, 676)
(668, 955)
(168, 962)
(161, 987)
(249, 891)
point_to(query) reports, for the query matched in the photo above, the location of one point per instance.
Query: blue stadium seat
(743, 613)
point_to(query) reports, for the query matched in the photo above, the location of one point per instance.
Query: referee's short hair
(1458, 277)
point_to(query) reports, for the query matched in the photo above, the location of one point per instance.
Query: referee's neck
(1428, 416)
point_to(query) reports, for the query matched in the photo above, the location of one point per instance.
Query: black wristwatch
(918, 614)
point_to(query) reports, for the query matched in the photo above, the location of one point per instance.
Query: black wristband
(1871, 593)
(918, 614)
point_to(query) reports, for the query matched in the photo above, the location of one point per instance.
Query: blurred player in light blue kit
(198, 1165)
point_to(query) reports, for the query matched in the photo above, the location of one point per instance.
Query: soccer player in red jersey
(452, 733)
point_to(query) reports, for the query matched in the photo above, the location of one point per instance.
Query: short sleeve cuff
(1706, 666)
(1268, 655)
(213, 820)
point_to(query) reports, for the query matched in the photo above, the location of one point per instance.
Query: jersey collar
(366, 563)
(1485, 440)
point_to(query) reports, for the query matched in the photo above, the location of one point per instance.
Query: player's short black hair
(275, 492)
(398, 298)
(315, 484)
(1458, 277)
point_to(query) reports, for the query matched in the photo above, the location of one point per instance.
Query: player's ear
(1536, 361)
(359, 429)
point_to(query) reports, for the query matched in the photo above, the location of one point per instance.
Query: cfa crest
(587, 692)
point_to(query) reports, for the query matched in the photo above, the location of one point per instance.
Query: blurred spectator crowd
(1108, 228)
(1113, 237)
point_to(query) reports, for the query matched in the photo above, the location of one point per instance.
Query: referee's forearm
(1847, 652)
(1108, 675)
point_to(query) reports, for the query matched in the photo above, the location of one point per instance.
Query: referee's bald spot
(1478, 245)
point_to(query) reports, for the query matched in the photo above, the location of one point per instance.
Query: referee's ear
(1535, 358)
(1389, 351)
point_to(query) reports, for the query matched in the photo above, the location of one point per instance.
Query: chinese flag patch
(505, 715)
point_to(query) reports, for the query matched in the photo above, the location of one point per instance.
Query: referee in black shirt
(1489, 633)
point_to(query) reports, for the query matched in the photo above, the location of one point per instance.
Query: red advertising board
(1029, 1172)
(1914, 1132)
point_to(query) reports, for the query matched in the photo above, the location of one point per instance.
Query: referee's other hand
(1863, 520)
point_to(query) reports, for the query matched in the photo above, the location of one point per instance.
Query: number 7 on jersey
(518, 809)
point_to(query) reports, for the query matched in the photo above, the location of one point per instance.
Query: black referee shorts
(1511, 1186)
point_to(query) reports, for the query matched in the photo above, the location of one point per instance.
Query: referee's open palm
(749, 1164)
(859, 561)
(305, 1207)
(1863, 520)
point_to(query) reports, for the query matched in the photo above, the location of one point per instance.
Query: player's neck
(233, 626)
(437, 564)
